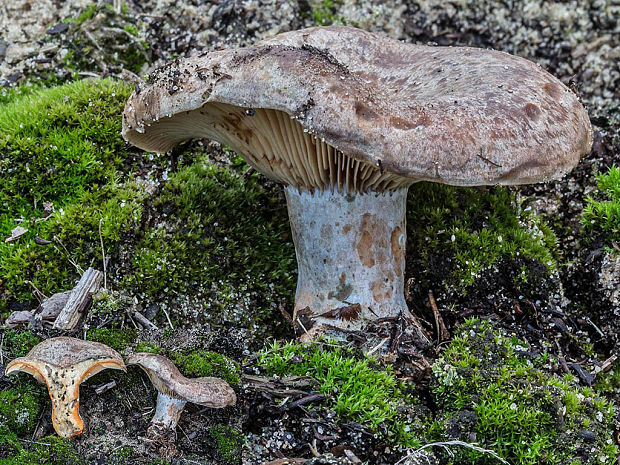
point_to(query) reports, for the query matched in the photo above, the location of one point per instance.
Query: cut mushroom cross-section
(174, 391)
(62, 363)
(347, 120)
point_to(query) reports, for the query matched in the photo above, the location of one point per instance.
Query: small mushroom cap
(456, 115)
(66, 352)
(62, 363)
(166, 378)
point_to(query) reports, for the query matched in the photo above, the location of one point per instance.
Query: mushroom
(174, 391)
(62, 363)
(347, 120)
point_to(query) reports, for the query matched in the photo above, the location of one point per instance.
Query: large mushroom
(347, 120)
(63, 363)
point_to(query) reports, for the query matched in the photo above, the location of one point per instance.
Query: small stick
(105, 280)
(105, 387)
(442, 332)
(144, 321)
(168, 318)
(377, 347)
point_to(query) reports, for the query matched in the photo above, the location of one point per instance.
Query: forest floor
(525, 279)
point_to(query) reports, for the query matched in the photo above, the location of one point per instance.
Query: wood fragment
(18, 318)
(442, 332)
(51, 307)
(351, 456)
(105, 387)
(79, 300)
(144, 321)
(16, 233)
(607, 364)
(306, 400)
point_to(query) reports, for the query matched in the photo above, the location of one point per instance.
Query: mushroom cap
(456, 115)
(166, 378)
(67, 352)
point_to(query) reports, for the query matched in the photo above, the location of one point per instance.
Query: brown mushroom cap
(62, 363)
(206, 391)
(456, 115)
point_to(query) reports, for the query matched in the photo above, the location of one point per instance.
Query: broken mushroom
(62, 363)
(347, 120)
(174, 391)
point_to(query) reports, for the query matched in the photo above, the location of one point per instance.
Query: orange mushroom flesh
(62, 363)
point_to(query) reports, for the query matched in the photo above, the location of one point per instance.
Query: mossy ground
(357, 388)
(602, 212)
(471, 229)
(492, 390)
(194, 238)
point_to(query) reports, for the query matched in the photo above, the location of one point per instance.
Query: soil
(577, 41)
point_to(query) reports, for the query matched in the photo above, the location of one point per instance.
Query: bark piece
(79, 300)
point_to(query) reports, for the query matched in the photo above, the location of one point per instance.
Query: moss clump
(325, 12)
(602, 213)
(487, 386)
(50, 450)
(226, 242)
(18, 343)
(200, 363)
(62, 147)
(117, 339)
(99, 37)
(227, 442)
(473, 228)
(148, 347)
(20, 408)
(121, 456)
(355, 388)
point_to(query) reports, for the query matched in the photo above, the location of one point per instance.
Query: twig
(303, 327)
(144, 321)
(37, 293)
(442, 332)
(312, 448)
(377, 347)
(105, 280)
(77, 267)
(446, 445)
(167, 318)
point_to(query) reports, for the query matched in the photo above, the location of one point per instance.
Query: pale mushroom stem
(350, 256)
(167, 412)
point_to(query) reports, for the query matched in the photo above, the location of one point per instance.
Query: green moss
(602, 212)
(62, 146)
(148, 347)
(20, 408)
(87, 13)
(100, 37)
(325, 12)
(50, 450)
(117, 339)
(18, 343)
(200, 363)
(121, 456)
(227, 442)
(355, 388)
(226, 241)
(474, 228)
(486, 385)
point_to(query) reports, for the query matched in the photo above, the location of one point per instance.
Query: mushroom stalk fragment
(167, 412)
(350, 255)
